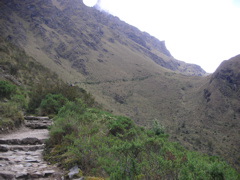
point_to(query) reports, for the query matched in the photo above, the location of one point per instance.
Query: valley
(129, 72)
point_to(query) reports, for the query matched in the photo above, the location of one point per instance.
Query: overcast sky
(203, 32)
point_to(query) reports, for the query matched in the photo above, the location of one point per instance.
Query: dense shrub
(11, 116)
(6, 89)
(11, 110)
(52, 103)
(72, 93)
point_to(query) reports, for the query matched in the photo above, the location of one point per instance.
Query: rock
(36, 175)
(36, 118)
(28, 165)
(73, 171)
(48, 172)
(23, 175)
(31, 160)
(31, 141)
(38, 125)
(4, 159)
(3, 149)
(28, 148)
(81, 178)
(10, 141)
(7, 175)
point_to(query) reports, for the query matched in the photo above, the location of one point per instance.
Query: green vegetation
(6, 89)
(28, 87)
(48, 99)
(109, 146)
(12, 101)
(52, 103)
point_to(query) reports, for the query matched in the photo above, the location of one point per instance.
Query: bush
(52, 103)
(20, 99)
(157, 128)
(6, 89)
(120, 126)
(72, 93)
(10, 116)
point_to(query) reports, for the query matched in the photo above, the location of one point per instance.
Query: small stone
(23, 175)
(36, 175)
(73, 171)
(17, 166)
(32, 161)
(48, 172)
(4, 159)
(81, 178)
(28, 165)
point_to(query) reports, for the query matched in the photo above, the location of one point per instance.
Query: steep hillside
(129, 72)
(212, 118)
(69, 31)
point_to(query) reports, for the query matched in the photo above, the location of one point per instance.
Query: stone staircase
(21, 152)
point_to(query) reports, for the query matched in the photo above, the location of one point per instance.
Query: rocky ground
(21, 152)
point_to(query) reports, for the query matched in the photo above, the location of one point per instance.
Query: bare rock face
(21, 153)
(228, 74)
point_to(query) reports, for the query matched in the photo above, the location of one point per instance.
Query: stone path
(21, 152)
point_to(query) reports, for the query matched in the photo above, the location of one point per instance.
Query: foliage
(109, 146)
(6, 89)
(52, 103)
(11, 115)
(71, 93)
(157, 128)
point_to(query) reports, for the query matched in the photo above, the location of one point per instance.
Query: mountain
(130, 72)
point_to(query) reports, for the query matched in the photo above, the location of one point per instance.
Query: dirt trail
(21, 152)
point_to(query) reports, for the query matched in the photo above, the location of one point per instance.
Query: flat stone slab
(36, 118)
(24, 132)
(38, 124)
(8, 147)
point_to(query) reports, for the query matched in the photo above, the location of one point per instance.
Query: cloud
(90, 3)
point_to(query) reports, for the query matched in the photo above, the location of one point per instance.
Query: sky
(203, 32)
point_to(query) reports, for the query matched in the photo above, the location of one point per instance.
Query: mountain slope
(129, 72)
(212, 123)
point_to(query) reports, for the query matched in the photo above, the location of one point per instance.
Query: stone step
(25, 165)
(36, 118)
(34, 124)
(5, 148)
(24, 141)
(21, 152)
(10, 175)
